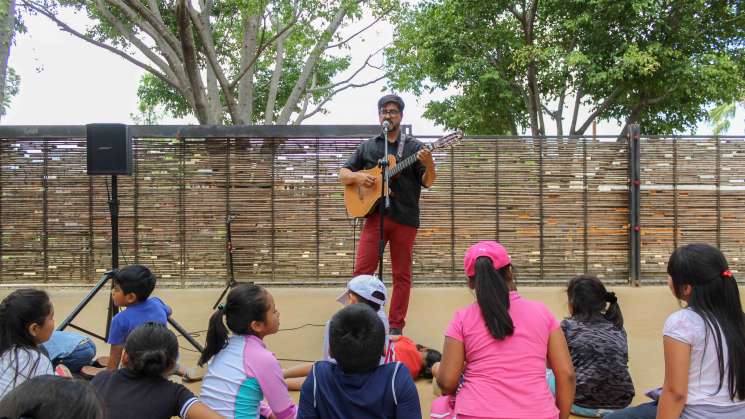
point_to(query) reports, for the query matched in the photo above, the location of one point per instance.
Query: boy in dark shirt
(357, 386)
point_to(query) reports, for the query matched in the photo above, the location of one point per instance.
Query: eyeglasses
(389, 112)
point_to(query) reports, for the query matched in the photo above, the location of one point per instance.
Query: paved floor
(644, 309)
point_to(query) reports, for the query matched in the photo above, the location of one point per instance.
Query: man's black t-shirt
(127, 396)
(406, 187)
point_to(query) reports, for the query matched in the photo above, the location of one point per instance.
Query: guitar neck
(403, 164)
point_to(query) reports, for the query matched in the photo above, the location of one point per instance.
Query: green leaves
(226, 60)
(12, 87)
(644, 61)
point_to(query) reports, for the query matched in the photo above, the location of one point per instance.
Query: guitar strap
(401, 142)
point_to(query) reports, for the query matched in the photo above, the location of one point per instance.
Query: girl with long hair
(704, 343)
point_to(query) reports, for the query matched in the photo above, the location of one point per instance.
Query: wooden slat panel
(291, 225)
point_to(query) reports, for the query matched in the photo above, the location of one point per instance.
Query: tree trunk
(276, 77)
(190, 63)
(6, 39)
(248, 53)
(214, 110)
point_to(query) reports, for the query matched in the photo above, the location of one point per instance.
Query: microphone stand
(385, 203)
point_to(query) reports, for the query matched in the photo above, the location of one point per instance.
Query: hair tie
(221, 308)
(727, 274)
(611, 297)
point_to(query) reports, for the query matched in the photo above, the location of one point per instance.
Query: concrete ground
(305, 310)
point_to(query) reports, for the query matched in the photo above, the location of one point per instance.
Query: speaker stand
(112, 310)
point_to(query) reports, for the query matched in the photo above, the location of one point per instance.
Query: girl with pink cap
(497, 349)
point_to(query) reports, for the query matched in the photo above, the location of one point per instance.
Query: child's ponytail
(493, 297)
(217, 335)
(152, 350)
(613, 312)
(245, 303)
(590, 301)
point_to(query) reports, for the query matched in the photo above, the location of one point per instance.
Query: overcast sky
(66, 81)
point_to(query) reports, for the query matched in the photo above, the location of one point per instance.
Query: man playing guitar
(402, 219)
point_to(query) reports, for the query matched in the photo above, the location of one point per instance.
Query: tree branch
(209, 50)
(332, 94)
(157, 24)
(66, 28)
(306, 100)
(350, 78)
(379, 18)
(279, 59)
(154, 8)
(129, 36)
(310, 65)
(173, 56)
(262, 47)
(519, 16)
(611, 99)
(575, 111)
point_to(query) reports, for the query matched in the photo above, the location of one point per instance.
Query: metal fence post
(272, 199)
(452, 215)
(719, 190)
(45, 211)
(2, 152)
(317, 188)
(632, 134)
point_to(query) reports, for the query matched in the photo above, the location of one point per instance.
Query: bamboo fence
(560, 206)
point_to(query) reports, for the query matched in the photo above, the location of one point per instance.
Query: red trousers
(401, 238)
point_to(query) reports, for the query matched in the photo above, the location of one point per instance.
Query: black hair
(18, 311)
(152, 350)
(431, 358)
(52, 397)
(356, 339)
(590, 301)
(246, 303)
(716, 298)
(135, 279)
(493, 296)
(373, 305)
(391, 99)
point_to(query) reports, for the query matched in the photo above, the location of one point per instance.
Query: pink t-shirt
(507, 378)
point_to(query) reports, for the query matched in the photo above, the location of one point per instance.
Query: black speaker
(109, 149)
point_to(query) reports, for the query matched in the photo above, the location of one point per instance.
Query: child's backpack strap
(393, 383)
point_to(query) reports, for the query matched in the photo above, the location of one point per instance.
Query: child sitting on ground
(132, 286)
(597, 343)
(242, 372)
(362, 289)
(497, 349)
(26, 321)
(72, 350)
(140, 389)
(704, 343)
(418, 359)
(357, 386)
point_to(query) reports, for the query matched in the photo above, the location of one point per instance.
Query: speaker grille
(109, 148)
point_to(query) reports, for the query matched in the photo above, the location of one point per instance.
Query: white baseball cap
(364, 286)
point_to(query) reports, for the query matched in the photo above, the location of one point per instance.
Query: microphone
(386, 125)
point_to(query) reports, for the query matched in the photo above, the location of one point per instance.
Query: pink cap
(491, 249)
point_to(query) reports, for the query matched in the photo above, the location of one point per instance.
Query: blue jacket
(386, 393)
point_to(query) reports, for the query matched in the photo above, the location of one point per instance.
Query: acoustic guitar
(360, 200)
